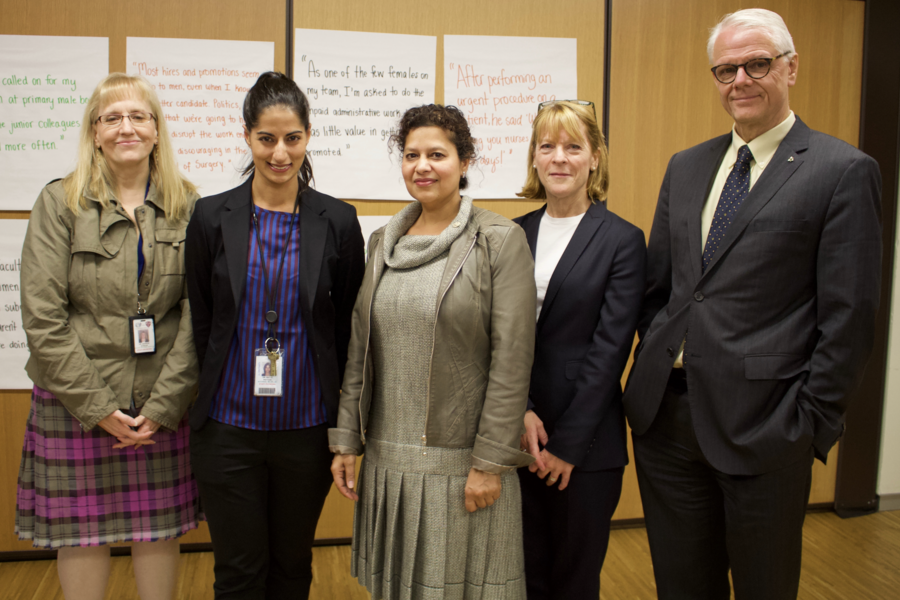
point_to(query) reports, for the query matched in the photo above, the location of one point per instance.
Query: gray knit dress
(412, 537)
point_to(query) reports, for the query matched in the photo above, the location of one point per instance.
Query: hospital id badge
(143, 334)
(268, 373)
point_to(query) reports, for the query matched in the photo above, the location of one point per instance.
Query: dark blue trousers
(566, 533)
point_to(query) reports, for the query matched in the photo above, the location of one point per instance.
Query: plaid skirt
(75, 489)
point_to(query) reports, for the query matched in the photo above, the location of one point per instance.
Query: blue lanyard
(140, 252)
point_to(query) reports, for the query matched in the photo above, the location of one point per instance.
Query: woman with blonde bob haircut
(579, 122)
(105, 309)
(589, 273)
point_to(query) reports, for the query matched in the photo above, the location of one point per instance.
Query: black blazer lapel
(706, 172)
(236, 236)
(587, 228)
(775, 176)
(313, 233)
(532, 225)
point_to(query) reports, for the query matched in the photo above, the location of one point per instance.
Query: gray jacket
(480, 367)
(79, 286)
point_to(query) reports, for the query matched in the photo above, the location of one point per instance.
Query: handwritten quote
(358, 85)
(498, 83)
(201, 85)
(13, 343)
(44, 86)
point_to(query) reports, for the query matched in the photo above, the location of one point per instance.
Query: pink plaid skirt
(76, 490)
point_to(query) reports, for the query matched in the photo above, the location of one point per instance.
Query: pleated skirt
(414, 540)
(75, 489)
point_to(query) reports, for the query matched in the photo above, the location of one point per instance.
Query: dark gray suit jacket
(780, 325)
(332, 261)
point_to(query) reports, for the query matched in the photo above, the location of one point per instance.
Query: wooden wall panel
(663, 99)
(261, 21)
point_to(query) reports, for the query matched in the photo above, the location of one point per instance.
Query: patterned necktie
(737, 186)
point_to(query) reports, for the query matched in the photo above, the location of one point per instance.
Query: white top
(554, 236)
(763, 149)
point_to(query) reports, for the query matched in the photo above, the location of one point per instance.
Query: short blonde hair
(570, 117)
(93, 174)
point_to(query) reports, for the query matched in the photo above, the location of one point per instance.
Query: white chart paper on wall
(13, 344)
(45, 84)
(201, 85)
(498, 83)
(358, 85)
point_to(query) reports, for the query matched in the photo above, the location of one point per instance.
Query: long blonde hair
(569, 117)
(92, 173)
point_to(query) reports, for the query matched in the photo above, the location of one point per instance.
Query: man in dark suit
(763, 280)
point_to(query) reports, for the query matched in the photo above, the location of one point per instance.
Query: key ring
(274, 340)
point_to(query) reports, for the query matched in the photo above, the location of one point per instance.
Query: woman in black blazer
(590, 271)
(273, 269)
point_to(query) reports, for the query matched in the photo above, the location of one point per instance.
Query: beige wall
(889, 467)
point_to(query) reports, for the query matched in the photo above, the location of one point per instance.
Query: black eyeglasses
(544, 105)
(756, 68)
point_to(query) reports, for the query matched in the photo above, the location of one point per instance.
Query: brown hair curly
(448, 118)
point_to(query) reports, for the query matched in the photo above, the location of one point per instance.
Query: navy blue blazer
(584, 336)
(332, 261)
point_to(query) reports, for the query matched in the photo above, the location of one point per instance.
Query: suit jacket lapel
(776, 174)
(313, 232)
(236, 236)
(706, 172)
(531, 226)
(584, 233)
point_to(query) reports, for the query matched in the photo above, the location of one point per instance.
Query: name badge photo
(267, 373)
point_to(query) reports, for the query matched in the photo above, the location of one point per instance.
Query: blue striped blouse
(301, 404)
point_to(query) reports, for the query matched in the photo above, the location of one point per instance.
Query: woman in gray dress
(436, 384)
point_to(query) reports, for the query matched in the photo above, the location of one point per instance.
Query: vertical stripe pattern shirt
(301, 404)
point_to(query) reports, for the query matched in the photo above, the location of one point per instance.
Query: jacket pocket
(778, 225)
(573, 367)
(83, 285)
(774, 366)
(169, 255)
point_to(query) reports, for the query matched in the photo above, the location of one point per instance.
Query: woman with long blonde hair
(104, 306)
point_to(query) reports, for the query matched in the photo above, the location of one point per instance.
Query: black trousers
(566, 533)
(262, 492)
(701, 522)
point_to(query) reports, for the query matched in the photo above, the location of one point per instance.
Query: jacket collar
(111, 237)
(707, 168)
(589, 226)
(236, 236)
(109, 216)
(787, 159)
(236, 225)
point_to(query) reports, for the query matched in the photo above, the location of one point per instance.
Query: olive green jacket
(482, 351)
(80, 285)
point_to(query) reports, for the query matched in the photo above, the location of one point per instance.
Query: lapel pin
(791, 159)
